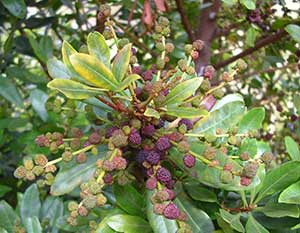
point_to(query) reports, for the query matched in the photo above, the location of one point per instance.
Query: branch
(226, 30)
(184, 20)
(206, 30)
(262, 42)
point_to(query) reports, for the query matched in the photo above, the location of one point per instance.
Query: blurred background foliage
(31, 32)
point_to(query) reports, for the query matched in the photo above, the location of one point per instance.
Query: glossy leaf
(57, 69)
(199, 193)
(159, 223)
(71, 176)
(279, 178)
(15, 7)
(35, 46)
(249, 4)
(249, 145)
(279, 210)
(133, 202)
(254, 226)
(292, 148)
(127, 81)
(38, 100)
(251, 35)
(294, 31)
(128, 224)
(221, 117)
(46, 46)
(185, 112)
(197, 219)
(33, 225)
(9, 91)
(291, 195)
(73, 89)
(31, 204)
(252, 120)
(94, 71)
(52, 210)
(98, 48)
(182, 91)
(7, 216)
(121, 62)
(233, 220)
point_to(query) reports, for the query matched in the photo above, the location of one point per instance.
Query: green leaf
(159, 223)
(38, 100)
(73, 89)
(197, 218)
(2, 230)
(249, 4)
(71, 176)
(150, 112)
(230, 2)
(121, 62)
(133, 202)
(52, 210)
(233, 220)
(252, 120)
(279, 178)
(182, 91)
(249, 145)
(186, 112)
(57, 69)
(253, 226)
(291, 195)
(33, 225)
(9, 91)
(127, 81)
(98, 48)
(251, 35)
(15, 7)
(199, 193)
(46, 47)
(94, 71)
(279, 210)
(223, 116)
(4, 189)
(296, 100)
(39, 53)
(7, 216)
(31, 204)
(294, 31)
(128, 224)
(292, 148)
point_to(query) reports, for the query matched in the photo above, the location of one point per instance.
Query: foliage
(120, 89)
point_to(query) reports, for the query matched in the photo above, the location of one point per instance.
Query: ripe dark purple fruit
(187, 123)
(148, 130)
(147, 75)
(141, 156)
(189, 160)
(94, 138)
(136, 70)
(151, 183)
(153, 157)
(163, 144)
(138, 91)
(293, 117)
(163, 175)
(108, 178)
(135, 138)
(171, 211)
(110, 131)
(245, 181)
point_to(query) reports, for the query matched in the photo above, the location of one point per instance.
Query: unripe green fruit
(219, 93)
(101, 200)
(163, 21)
(166, 31)
(30, 176)
(38, 170)
(188, 48)
(40, 159)
(210, 153)
(67, 156)
(182, 129)
(133, 60)
(90, 202)
(205, 85)
(160, 46)
(158, 28)
(183, 146)
(190, 70)
(72, 205)
(160, 63)
(226, 177)
(28, 164)
(241, 64)
(20, 172)
(182, 64)
(122, 42)
(169, 47)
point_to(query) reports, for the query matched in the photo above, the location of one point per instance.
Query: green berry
(226, 177)
(72, 205)
(20, 172)
(90, 201)
(101, 199)
(38, 170)
(40, 159)
(67, 156)
(188, 48)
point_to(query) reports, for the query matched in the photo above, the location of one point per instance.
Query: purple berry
(187, 123)
(86, 144)
(136, 70)
(141, 156)
(148, 130)
(171, 211)
(160, 124)
(147, 75)
(170, 184)
(163, 144)
(163, 175)
(138, 91)
(153, 157)
(293, 117)
(171, 193)
(133, 51)
(165, 92)
(189, 160)
(245, 181)
(108, 178)
(151, 183)
(110, 131)
(135, 138)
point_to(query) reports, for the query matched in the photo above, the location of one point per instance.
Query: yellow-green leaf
(150, 112)
(94, 71)
(73, 89)
(186, 112)
(121, 62)
(125, 83)
(98, 48)
(183, 91)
